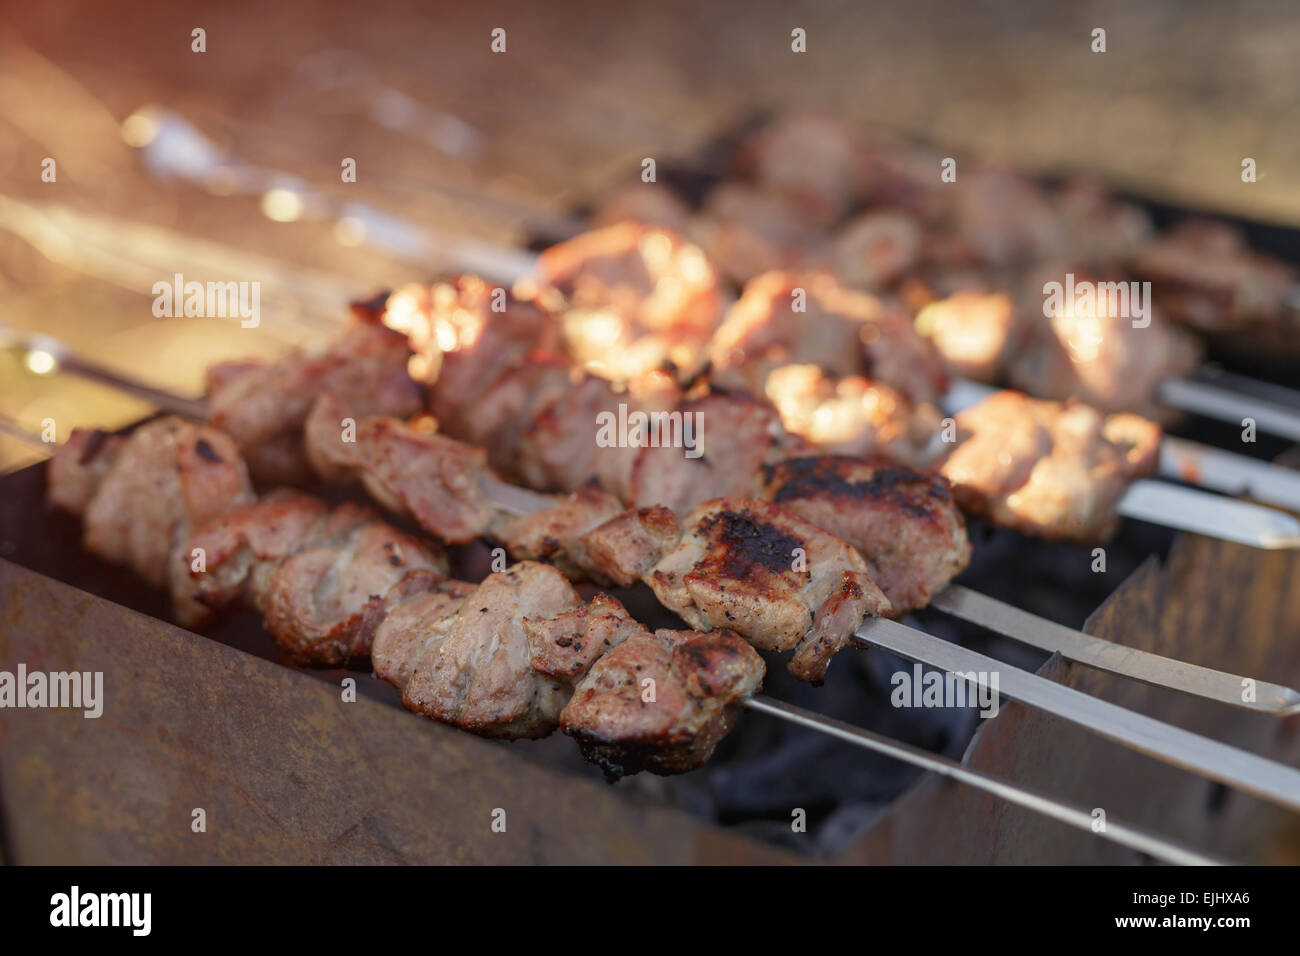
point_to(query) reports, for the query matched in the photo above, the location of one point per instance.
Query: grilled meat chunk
(264, 407)
(626, 547)
(323, 603)
(662, 701)
(1050, 469)
(556, 535)
(771, 576)
(851, 415)
(905, 523)
(876, 249)
(791, 318)
(649, 204)
(747, 231)
(631, 297)
(142, 496)
(1203, 274)
(438, 481)
(474, 666)
(1091, 350)
(975, 332)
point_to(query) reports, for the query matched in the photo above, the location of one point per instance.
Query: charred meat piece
(773, 577)
(323, 604)
(1204, 275)
(788, 318)
(1050, 469)
(662, 701)
(626, 547)
(631, 297)
(150, 490)
(438, 481)
(263, 408)
(905, 523)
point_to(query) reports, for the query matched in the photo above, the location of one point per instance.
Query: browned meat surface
(323, 604)
(631, 297)
(815, 161)
(1101, 230)
(244, 547)
(556, 534)
(732, 433)
(1004, 219)
(844, 331)
(78, 468)
(626, 547)
(851, 415)
(974, 331)
(876, 248)
(662, 701)
(473, 668)
(1089, 349)
(1046, 468)
(1203, 274)
(264, 408)
(438, 481)
(746, 231)
(466, 333)
(905, 523)
(565, 645)
(773, 577)
(153, 488)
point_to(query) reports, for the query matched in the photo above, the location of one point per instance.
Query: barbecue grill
(1193, 599)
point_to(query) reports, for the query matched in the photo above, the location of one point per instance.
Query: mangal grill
(285, 771)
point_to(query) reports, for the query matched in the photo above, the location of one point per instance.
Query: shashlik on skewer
(503, 658)
(633, 700)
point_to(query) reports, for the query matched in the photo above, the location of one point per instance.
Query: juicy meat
(903, 522)
(556, 535)
(771, 576)
(1102, 231)
(323, 603)
(816, 162)
(438, 481)
(662, 701)
(626, 547)
(876, 248)
(264, 408)
(747, 231)
(473, 667)
(650, 204)
(151, 489)
(465, 334)
(631, 298)
(851, 415)
(1090, 349)
(1204, 275)
(810, 318)
(726, 437)
(974, 331)
(1046, 468)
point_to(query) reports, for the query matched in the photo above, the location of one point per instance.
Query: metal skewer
(1021, 796)
(1229, 765)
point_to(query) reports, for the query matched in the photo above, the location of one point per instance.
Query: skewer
(1035, 801)
(1227, 405)
(967, 605)
(1074, 816)
(1202, 465)
(1145, 500)
(1229, 765)
(1216, 761)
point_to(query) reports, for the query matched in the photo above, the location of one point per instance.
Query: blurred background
(584, 91)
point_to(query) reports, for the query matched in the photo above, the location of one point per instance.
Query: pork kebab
(518, 655)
